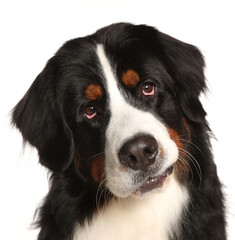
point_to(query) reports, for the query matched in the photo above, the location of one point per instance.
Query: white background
(31, 32)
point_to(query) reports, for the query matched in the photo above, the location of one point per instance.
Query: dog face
(116, 106)
(138, 148)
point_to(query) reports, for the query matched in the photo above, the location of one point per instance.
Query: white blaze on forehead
(114, 93)
(125, 122)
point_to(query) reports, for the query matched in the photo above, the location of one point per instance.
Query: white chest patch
(151, 217)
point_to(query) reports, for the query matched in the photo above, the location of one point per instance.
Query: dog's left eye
(148, 89)
(90, 112)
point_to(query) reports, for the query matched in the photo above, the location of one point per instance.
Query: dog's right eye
(90, 112)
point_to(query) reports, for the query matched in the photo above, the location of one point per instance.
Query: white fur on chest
(151, 217)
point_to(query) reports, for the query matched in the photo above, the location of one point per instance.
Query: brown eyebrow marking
(130, 78)
(93, 92)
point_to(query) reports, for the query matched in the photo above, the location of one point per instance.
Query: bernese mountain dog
(116, 118)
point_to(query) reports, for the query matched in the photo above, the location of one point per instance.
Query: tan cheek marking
(175, 137)
(181, 167)
(130, 78)
(98, 168)
(93, 92)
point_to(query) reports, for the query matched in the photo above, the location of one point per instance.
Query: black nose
(139, 153)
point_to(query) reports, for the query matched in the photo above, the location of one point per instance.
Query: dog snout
(139, 153)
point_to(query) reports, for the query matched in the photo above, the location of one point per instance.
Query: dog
(116, 118)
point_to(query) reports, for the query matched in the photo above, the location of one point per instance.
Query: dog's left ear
(185, 64)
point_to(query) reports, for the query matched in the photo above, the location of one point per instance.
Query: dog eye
(90, 112)
(148, 89)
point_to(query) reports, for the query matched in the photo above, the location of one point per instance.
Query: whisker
(189, 144)
(194, 162)
(98, 196)
(184, 163)
(107, 196)
(187, 135)
(96, 155)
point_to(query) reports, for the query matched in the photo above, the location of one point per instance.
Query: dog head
(115, 106)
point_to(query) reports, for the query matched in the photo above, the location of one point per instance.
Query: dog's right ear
(39, 117)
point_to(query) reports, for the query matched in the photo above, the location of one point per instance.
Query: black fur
(50, 117)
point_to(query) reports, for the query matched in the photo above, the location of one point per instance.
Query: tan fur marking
(93, 92)
(181, 167)
(175, 137)
(130, 78)
(97, 168)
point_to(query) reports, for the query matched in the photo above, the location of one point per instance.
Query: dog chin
(156, 184)
(152, 184)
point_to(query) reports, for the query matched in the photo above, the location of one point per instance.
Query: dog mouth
(155, 182)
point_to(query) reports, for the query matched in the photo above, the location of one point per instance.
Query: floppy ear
(40, 119)
(185, 64)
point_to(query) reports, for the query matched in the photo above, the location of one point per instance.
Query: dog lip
(154, 182)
